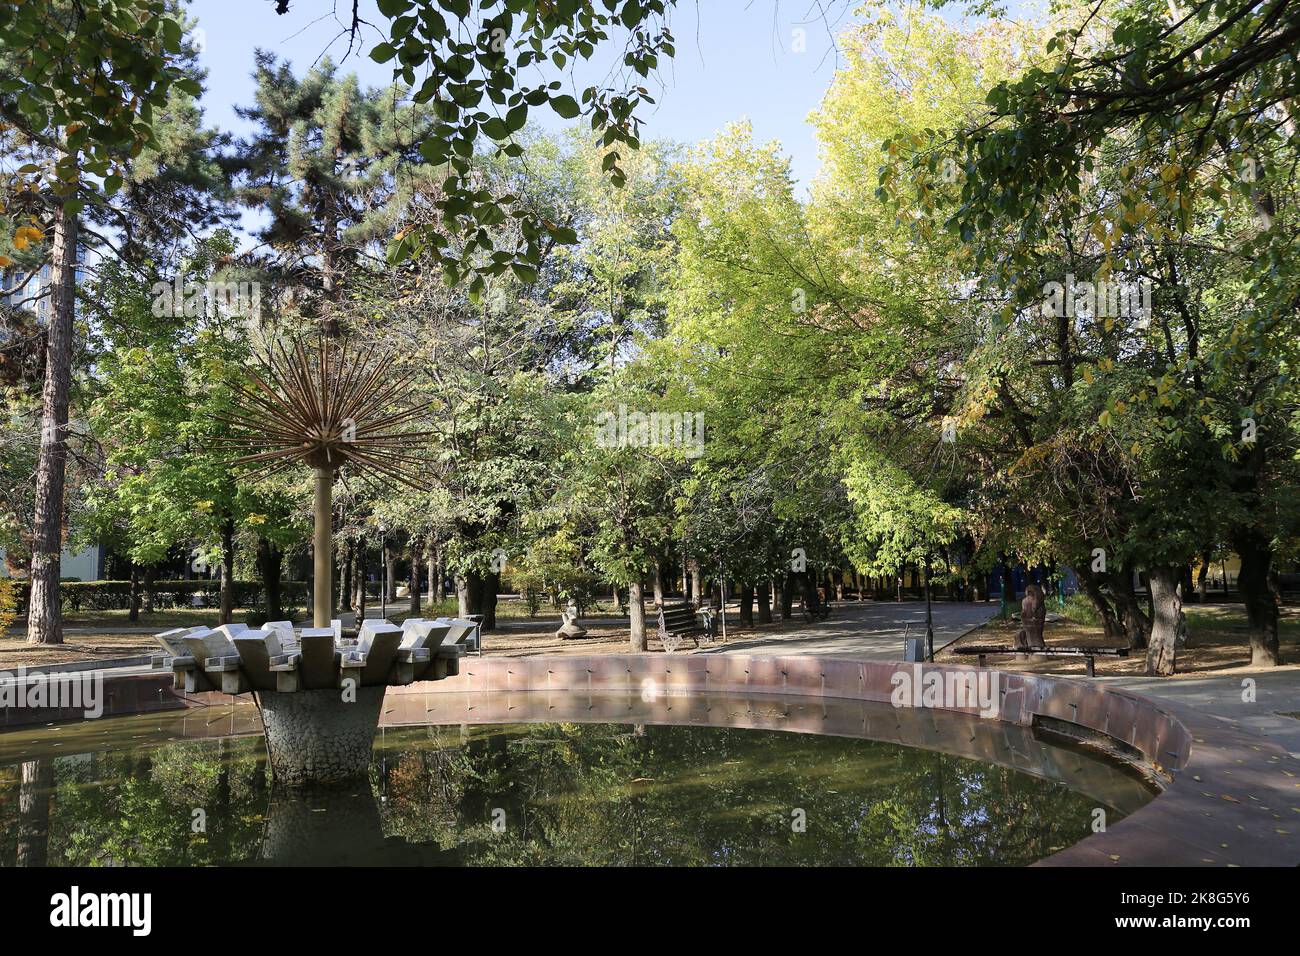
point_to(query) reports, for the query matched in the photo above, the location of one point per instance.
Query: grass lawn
(1218, 641)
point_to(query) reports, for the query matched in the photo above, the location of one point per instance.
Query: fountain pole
(323, 589)
(320, 695)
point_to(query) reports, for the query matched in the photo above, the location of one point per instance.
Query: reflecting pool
(193, 788)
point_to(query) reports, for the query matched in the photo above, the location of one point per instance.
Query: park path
(1276, 694)
(869, 630)
(874, 631)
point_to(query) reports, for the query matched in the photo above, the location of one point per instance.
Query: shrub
(10, 592)
(1080, 610)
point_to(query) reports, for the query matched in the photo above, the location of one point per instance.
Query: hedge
(116, 595)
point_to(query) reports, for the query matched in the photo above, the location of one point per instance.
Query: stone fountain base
(315, 737)
(319, 694)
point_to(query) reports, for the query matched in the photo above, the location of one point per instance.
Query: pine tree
(71, 184)
(324, 164)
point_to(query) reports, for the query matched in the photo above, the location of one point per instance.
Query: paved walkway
(1276, 693)
(868, 630)
(871, 631)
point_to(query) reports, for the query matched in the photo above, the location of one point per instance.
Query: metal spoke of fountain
(328, 406)
(319, 693)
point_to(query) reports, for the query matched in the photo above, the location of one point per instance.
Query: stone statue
(570, 628)
(1033, 613)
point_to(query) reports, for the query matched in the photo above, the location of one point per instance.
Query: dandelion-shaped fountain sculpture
(320, 694)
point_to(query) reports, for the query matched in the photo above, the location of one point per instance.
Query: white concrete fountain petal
(319, 695)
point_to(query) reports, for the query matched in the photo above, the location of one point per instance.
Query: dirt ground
(1217, 642)
(15, 651)
(515, 637)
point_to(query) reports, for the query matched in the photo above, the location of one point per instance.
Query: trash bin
(478, 632)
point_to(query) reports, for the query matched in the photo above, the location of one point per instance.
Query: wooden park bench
(682, 620)
(1089, 654)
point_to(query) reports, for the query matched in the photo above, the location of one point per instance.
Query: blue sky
(735, 59)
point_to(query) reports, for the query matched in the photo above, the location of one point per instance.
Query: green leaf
(566, 106)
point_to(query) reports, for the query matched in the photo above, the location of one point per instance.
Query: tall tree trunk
(44, 614)
(1008, 584)
(270, 559)
(359, 581)
(765, 603)
(808, 585)
(150, 576)
(1166, 606)
(345, 579)
(1089, 581)
(787, 596)
(1202, 594)
(747, 605)
(228, 571)
(659, 583)
(491, 588)
(1254, 582)
(636, 618)
(1136, 625)
(133, 614)
(440, 592)
(32, 838)
(359, 604)
(390, 568)
(431, 568)
(413, 582)
(469, 591)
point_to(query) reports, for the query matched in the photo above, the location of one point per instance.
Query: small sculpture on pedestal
(570, 628)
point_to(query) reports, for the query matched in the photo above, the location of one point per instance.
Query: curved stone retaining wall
(1231, 798)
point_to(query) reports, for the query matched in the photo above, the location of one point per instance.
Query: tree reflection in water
(577, 794)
